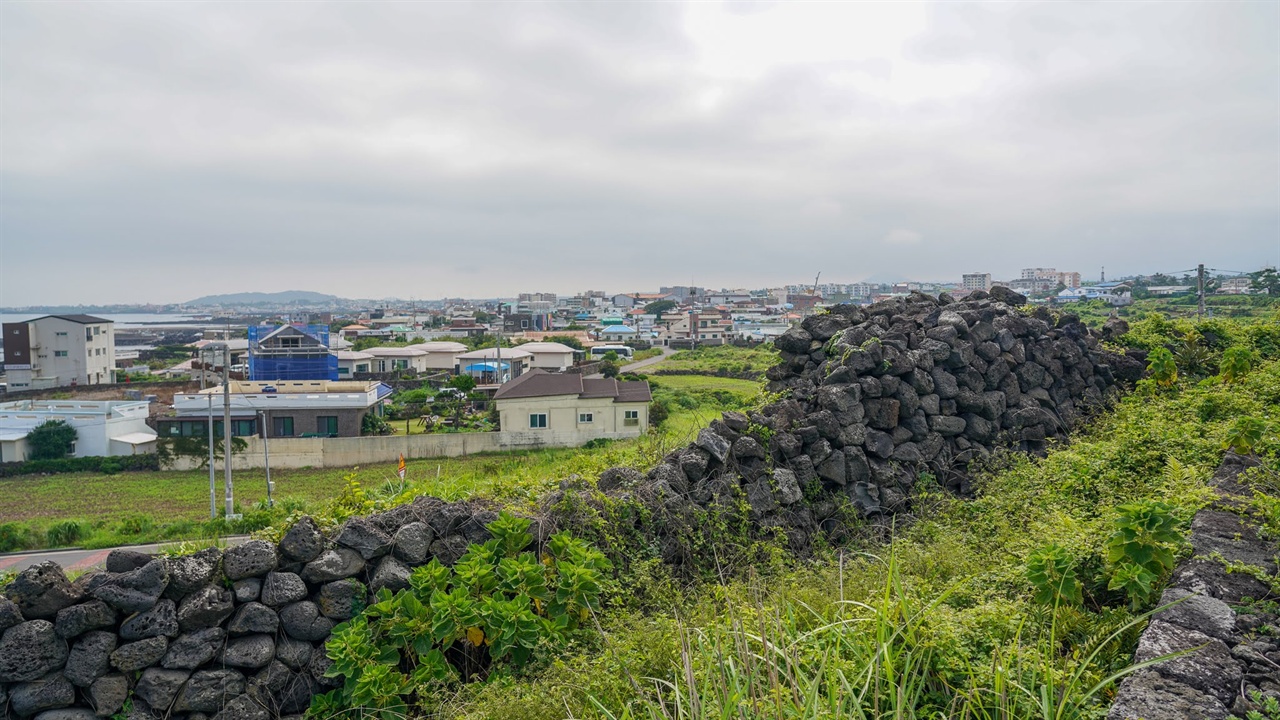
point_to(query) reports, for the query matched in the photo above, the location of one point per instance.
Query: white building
(549, 356)
(441, 355)
(976, 281)
(112, 427)
(59, 350)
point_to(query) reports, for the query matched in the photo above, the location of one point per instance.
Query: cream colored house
(391, 359)
(572, 408)
(550, 356)
(441, 354)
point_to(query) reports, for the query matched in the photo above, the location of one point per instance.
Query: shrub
(65, 533)
(1052, 572)
(1141, 549)
(1236, 363)
(496, 605)
(1162, 368)
(1244, 434)
(51, 440)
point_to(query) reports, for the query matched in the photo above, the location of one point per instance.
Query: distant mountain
(287, 297)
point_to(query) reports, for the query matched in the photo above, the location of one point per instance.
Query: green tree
(51, 440)
(465, 383)
(1266, 280)
(608, 368)
(660, 306)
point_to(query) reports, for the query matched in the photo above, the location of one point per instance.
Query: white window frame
(537, 421)
(586, 418)
(630, 417)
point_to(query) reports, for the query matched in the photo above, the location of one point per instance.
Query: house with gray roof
(573, 408)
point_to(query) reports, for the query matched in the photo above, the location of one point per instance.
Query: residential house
(569, 406)
(1236, 286)
(442, 355)
(489, 366)
(351, 362)
(103, 428)
(1112, 293)
(617, 333)
(549, 356)
(300, 408)
(393, 359)
(630, 300)
(59, 350)
(291, 352)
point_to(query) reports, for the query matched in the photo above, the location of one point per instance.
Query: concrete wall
(348, 452)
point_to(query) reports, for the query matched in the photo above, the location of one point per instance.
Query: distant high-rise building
(976, 281)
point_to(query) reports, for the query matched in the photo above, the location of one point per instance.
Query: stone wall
(873, 397)
(234, 635)
(1237, 653)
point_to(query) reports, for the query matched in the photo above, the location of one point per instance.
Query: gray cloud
(163, 151)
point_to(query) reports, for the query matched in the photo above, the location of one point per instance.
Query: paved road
(78, 559)
(666, 352)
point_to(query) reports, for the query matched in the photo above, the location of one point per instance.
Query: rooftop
(540, 383)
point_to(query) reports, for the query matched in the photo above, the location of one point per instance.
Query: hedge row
(108, 465)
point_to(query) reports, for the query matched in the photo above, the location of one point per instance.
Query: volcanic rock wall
(872, 397)
(234, 635)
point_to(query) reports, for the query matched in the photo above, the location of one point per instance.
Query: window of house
(88, 334)
(60, 334)
(282, 426)
(291, 342)
(585, 418)
(242, 428)
(524, 323)
(97, 330)
(59, 353)
(362, 368)
(400, 364)
(538, 420)
(344, 371)
(327, 424)
(631, 417)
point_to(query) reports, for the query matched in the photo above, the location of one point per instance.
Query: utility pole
(1200, 290)
(498, 343)
(213, 503)
(226, 432)
(266, 461)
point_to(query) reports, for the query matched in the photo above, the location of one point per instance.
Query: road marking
(90, 561)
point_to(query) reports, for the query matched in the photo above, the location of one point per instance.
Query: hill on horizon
(260, 298)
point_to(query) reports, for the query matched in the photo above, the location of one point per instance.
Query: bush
(51, 440)
(114, 464)
(64, 534)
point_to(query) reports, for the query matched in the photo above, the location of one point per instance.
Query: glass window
(344, 371)
(327, 425)
(243, 428)
(631, 417)
(282, 426)
(59, 353)
(538, 420)
(585, 417)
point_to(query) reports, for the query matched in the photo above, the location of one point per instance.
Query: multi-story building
(291, 352)
(59, 350)
(976, 281)
(1051, 275)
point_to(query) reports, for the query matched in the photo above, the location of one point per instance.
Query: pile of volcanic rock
(873, 396)
(231, 635)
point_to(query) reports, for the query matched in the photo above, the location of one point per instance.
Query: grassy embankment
(939, 622)
(719, 360)
(98, 510)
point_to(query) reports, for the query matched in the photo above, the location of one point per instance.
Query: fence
(351, 451)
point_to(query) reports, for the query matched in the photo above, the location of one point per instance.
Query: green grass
(639, 355)
(719, 359)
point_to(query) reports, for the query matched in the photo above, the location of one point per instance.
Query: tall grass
(877, 660)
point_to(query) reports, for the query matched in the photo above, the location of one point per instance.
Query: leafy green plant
(1244, 434)
(1269, 707)
(1141, 549)
(51, 440)
(1162, 367)
(1236, 363)
(497, 605)
(1052, 572)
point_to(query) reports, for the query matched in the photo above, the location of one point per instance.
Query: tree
(566, 340)
(465, 383)
(1266, 280)
(609, 369)
(660, 306)
(51, 440)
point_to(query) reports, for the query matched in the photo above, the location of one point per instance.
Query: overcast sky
(160, 151)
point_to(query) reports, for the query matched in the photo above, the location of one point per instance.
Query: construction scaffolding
(291, 352)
